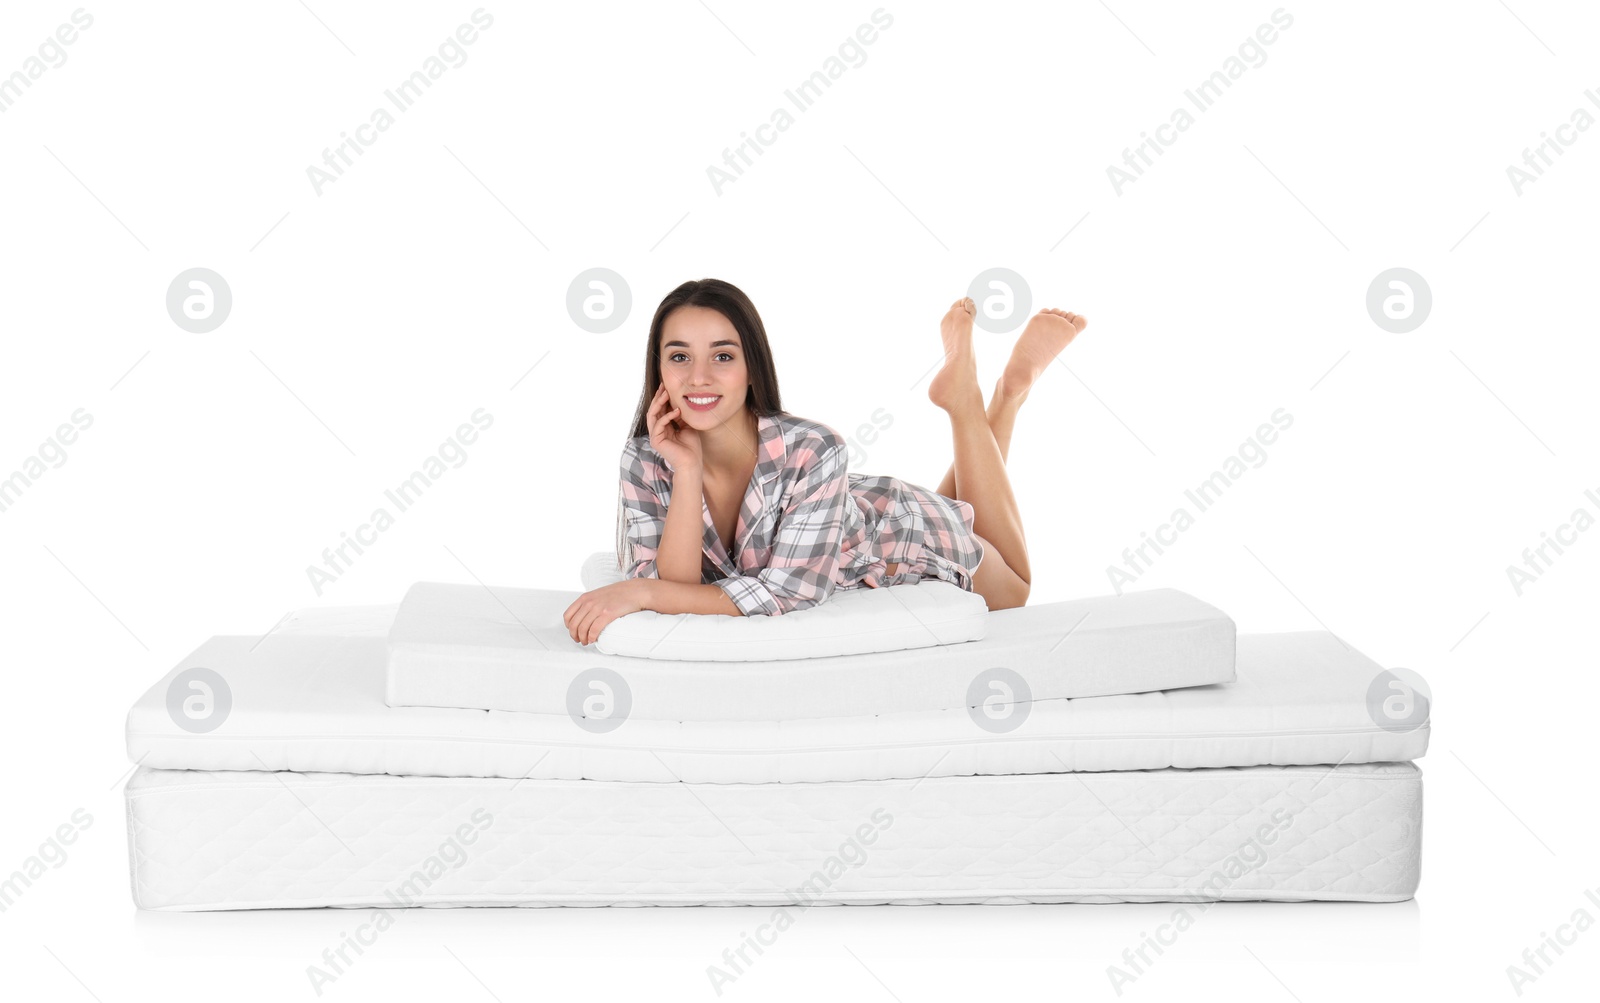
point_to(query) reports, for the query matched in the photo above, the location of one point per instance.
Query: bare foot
(1047, 333)
(956, 385)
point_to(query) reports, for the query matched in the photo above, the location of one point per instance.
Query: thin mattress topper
(309, 696)
(508, 649)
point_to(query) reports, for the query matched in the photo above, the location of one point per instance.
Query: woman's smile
(701, 402)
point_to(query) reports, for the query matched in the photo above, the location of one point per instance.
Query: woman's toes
(956, 327)
(956, 383)
(1078, 321)
(1041, 341)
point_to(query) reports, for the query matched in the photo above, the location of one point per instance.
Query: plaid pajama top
(806, 525)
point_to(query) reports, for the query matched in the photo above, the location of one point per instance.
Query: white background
(430, 280)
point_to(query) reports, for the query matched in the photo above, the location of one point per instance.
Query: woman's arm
(594, 610)
(678, 589)
(678, 558)
(676, 597)
(661, 544)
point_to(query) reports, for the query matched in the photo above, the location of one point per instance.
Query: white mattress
(508, 649)
(202, 840)
(310, 697)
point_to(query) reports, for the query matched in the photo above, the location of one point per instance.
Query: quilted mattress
(203, 840)
(309, 696)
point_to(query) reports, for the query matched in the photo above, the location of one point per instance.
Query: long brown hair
(762, 398)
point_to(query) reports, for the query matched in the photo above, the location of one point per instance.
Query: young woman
(729, 504)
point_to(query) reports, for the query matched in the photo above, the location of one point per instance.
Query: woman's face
(702, 360)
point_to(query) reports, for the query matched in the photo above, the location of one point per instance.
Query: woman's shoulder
(803, 431)
(639, 456)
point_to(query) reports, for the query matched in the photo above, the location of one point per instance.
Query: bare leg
(1000, 586)
(1002, 415)
(980, 470)
(1040, 342)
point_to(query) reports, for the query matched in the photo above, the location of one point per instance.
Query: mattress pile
(459, 749)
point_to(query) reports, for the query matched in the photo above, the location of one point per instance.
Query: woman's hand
(675, 442)
(588, 616)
